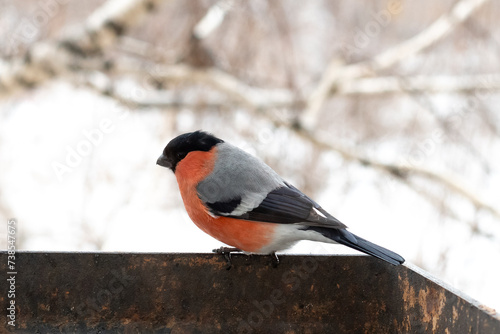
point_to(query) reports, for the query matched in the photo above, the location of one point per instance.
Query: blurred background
(383, 111)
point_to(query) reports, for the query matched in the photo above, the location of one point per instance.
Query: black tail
(349, 239)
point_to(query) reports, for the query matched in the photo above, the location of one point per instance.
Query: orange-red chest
(246, 235)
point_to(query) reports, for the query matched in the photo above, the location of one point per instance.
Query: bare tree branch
(48, 59)
(197, 54)
(252, 97)
(237, 92)
(428, 84)
(245, 95)
(337, 74)
(265, 99)
(437, 200)
(436, 31)
(402, 171)
(212, 19)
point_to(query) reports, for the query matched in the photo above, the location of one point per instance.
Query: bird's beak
(164, 161)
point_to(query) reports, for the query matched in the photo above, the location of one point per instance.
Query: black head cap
(181, 145)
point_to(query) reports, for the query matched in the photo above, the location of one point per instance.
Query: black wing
(284, 205)
(223, 208)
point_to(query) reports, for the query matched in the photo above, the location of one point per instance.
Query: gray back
(238, 174)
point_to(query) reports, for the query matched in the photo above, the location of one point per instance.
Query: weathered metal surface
(194, 293)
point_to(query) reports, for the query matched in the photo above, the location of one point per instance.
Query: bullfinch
(242, 202)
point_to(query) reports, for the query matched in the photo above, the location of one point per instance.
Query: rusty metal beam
(194, 293)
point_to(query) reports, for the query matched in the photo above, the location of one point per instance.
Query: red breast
(246, 235)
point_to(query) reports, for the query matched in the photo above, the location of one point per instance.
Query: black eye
(180, 155)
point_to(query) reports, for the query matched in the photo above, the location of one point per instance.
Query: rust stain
(429, 300)
(409, 302)
(455, 313)
(489, 310)
(408, 293)
(432, 303)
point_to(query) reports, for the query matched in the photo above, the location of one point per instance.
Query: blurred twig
(400, 171)
(421, 83)
(237, 91)
(47, 59)
(240, 93)
(337, 74)
(212, 19)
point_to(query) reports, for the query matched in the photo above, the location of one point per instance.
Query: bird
(242, 202)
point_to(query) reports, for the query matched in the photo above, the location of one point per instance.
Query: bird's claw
(275, 259)
(226, 251)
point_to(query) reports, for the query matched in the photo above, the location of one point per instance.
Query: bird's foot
(226, 251)
(275, 259)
